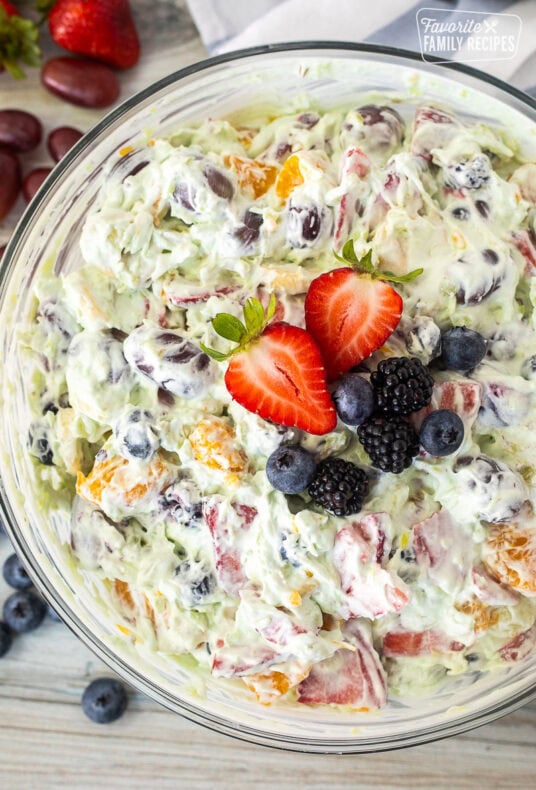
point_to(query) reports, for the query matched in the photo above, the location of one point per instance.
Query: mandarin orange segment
(213, 444)
(276, 682)
(267, 686)
(253, 176)
(114, 473)
(290, 176)
(123, 594)
(510, 556)
(484, 616)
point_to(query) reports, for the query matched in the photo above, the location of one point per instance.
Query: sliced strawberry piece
(460, 396)
(247, 513)
(281, 377)
(444, 550)
(349, 677)
(350, 316)
(280, 630)
(520, 646)
(355, 163)
(359, 549)
(182, 294)
(418, 643)
(432, 129)
(526, 244)
(238, 660)
(226, 553)
(431, 115)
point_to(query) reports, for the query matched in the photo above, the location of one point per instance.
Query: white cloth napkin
(225, 25)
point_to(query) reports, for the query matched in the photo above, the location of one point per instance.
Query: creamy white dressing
(174, 515)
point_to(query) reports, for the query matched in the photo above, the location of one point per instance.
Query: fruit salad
(286, 397)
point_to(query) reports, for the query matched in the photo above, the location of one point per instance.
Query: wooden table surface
(45, 740)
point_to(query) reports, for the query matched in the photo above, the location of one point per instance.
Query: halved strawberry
(276, 371)
(350, 316)
(352, 311)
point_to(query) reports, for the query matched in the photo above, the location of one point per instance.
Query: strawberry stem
(364, 265)
(44, 7)
(229, 327)
(18, 43)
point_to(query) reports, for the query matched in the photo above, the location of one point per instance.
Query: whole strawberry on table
(103, 32)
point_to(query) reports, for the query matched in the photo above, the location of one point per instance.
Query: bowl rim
(131, 674)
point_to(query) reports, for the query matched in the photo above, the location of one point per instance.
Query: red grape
(83, 82)
(19, 131)
(33, 180)
(60, 140)
(9, 182)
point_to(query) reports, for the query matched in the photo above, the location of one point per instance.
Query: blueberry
(441, 432)
(104, 700)
(203, 587)
(528, 369)
(460, 212)
(6, 638)
(24, 611)
(354, 399)
(39, 445)
(15, 574)
(462, 349)
(290, 469)
(137, 435)
(471, 174)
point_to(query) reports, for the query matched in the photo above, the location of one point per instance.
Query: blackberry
(401, 385)
(339, 486)
(390, 443)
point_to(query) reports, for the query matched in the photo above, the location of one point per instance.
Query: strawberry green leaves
(365, 266)
(18, 42)
(256, 319)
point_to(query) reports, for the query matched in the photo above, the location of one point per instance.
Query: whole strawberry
(276, 370)
(101, 29)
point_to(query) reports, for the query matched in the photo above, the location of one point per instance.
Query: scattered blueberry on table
(24, 611)
(104, 700)
(15, 575)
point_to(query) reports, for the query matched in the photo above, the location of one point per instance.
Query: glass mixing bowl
(333, 74)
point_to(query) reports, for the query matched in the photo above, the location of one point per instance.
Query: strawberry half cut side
(281, 377)
(350, 317)
(276, 370)
(351, 311)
